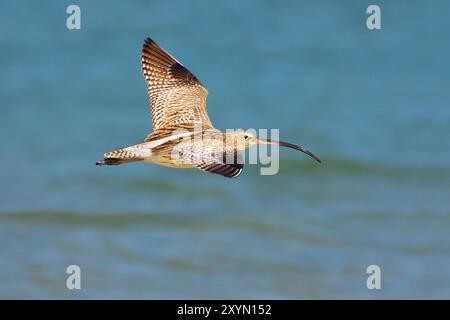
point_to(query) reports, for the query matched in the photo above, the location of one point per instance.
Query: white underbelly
(172, 162)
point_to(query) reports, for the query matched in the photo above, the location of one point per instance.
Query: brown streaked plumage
(183, 136)
(177, 97)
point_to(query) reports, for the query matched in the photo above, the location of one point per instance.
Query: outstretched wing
(219, 165)
(177, 97)
(226, 170)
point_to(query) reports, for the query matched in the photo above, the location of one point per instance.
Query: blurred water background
(374, 105)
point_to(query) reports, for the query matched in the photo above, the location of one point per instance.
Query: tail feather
(114, 161)
(120, 156)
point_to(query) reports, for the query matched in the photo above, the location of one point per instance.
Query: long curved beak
(290, 145)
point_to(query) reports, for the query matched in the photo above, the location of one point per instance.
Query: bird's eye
(246, 137)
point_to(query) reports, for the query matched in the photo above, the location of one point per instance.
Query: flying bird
(183, 135)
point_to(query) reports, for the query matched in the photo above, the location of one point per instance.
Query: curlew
(183, 136)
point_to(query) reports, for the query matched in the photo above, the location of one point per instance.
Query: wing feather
(206, 161)
(226, 170)
(177, 97)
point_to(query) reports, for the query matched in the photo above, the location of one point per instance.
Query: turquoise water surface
(374, 105)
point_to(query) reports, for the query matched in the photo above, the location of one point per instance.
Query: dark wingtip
(149, 40)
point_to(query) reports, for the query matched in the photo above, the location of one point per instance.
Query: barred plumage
(120, 154)
(177, 97)
(179, 118)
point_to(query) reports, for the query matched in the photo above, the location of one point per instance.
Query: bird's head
(243, 140)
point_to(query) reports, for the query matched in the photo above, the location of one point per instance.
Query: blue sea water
(374, 105)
